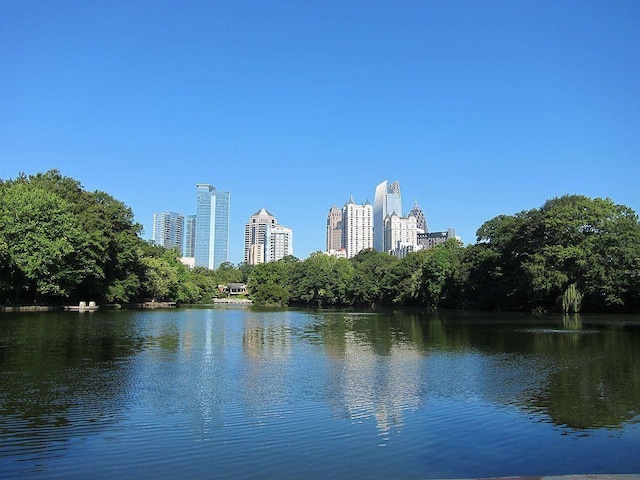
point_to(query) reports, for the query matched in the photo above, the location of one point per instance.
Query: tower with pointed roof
(265, 240)
(421, 221)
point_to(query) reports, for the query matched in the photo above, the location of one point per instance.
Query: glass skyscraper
(212, 227)
(387, 201)
(168, 228)
(190, 236)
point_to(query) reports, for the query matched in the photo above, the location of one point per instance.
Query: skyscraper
(168, 228)
(400, 234)
(190, 236)
(421, 221)
(255, 236)
(265, 240)
(357, 227)
(212, 227)
(280, 242)
(387, 201)
(334, 229)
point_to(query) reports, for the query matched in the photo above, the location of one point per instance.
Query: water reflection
(62, 376)
(247, 382)
(582, 378)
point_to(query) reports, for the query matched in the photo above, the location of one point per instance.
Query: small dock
(82, 307)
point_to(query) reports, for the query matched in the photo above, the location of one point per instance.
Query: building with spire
(387, 200)
(421, 221)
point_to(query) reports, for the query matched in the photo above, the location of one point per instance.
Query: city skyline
(478, 110)
(266, 240)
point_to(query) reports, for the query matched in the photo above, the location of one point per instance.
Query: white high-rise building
(387, 201)
(400, 235)
(168, 229)
(357, 227)
(265, 240)
(280, 243)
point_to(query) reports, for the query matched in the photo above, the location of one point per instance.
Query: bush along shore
(60, 245)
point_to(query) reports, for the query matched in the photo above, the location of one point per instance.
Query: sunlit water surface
(241, 393)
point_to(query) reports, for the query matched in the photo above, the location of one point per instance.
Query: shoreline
(115, 306)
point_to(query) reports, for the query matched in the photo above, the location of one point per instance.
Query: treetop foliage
(60, 243)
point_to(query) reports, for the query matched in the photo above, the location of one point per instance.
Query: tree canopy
(573, 253)
(60, 243)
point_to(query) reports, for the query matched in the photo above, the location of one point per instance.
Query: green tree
(370, 285)
(269, 283)
(438, 274)
(534, 256)
(227, 273)
(41, 244)
(402, 283)
(321, 280)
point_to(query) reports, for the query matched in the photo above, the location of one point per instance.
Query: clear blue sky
(478, 108)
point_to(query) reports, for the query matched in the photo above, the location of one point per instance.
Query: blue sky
(478, 108)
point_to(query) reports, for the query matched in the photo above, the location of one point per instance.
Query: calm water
(239, 393)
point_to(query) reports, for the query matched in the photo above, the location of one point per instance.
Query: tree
(438, 273)
(42, 246)
(534, 256)
(269, 283)
(369, 277)
(321, 280)
(402, 283)
(227, 273)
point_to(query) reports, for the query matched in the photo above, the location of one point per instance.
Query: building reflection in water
(380, 386)
(246, 367)
(375, 369)
(267, 372)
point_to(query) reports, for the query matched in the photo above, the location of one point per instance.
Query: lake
(288, 394)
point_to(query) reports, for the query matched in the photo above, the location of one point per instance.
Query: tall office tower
(256, 238)
(168, 228)
(357, 227)
(212, 227)
(280, 242)
(190, 237)
(400, 235)
(421, 221)
(334, 229)
(386, 201)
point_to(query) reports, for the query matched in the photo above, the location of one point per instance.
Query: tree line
(574, 253)
(60, 243)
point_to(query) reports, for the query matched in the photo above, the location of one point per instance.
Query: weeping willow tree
(571, 299)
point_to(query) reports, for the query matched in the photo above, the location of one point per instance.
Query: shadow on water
(66, 373)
